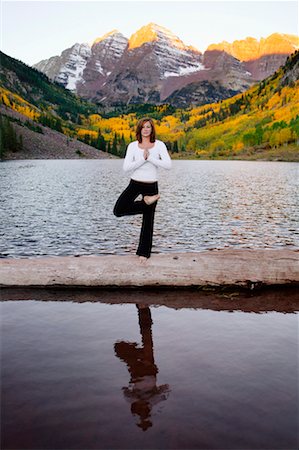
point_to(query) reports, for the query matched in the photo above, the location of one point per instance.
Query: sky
(36, 30)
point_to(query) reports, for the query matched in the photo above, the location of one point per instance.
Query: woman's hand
(146, 153)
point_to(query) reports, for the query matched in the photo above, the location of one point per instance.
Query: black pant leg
(125, 204)
(147, 228)
(146, 233)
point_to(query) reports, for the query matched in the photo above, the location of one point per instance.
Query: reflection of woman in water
(142, 393)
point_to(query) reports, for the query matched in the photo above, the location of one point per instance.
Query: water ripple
(64, 207)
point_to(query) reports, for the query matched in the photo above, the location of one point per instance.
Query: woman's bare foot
(142, 260)
(150, 199)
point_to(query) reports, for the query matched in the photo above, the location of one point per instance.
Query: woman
(143, 158)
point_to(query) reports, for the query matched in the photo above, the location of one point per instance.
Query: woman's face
(146, 129)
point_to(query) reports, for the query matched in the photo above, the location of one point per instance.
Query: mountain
(38, 117)
(67, 68)
(250, 48)
(36, 88)
(154, 66)
(152, 56)
(196, 94)
(105, 55)
(262, 122)
(222, 77)
(260, 58)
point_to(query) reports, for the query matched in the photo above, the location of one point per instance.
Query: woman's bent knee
(117, 212)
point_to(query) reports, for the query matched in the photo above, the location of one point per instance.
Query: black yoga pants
(127, 206)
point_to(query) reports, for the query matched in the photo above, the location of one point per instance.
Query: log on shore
(228, 267)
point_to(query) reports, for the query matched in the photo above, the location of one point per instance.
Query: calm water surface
(87, 374)
(64, 207)
(93, 375)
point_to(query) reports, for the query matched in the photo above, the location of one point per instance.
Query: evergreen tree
(9, 140)
(58, 126)
(114, 145)
(122, 146)
(100, 142)
(86, 139)
(2, 149)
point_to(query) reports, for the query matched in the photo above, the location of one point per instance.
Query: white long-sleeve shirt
(146, 169)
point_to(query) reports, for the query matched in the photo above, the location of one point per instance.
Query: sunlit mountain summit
(155, 66)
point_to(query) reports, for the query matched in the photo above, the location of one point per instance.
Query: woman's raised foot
(150, 199)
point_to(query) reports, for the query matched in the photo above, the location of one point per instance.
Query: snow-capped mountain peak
(67, 68)
(153, 32)
(155, 65)
(111, 35)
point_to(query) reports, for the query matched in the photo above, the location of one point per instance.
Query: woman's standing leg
(147, 228)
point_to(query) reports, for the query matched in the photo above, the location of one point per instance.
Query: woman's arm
(164, 160)
(130, 163)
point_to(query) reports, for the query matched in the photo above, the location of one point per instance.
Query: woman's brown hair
(140, 124)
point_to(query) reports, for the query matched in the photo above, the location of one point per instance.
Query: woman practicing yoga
(143, 157)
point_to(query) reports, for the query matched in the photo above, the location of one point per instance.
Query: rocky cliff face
(67, 68)
(199, 93)
(105, 55)
(152, 56)
(291, 70)
(251, 49)
(222, 76)
(154, 63)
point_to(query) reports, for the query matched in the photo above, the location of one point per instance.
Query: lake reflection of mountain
(80, 369)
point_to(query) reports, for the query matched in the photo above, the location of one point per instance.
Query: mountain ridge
(251, 48)
(291, 39)
(155, 66)
(262, 122)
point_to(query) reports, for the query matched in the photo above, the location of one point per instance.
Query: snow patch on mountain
(175, 62)
(99, 67)
(71, 72)
(185, 71)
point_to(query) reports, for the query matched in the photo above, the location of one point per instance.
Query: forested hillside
(262, 122)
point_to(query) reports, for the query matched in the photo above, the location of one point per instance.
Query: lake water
(90, 371)
(148, 370)
(64, 207)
